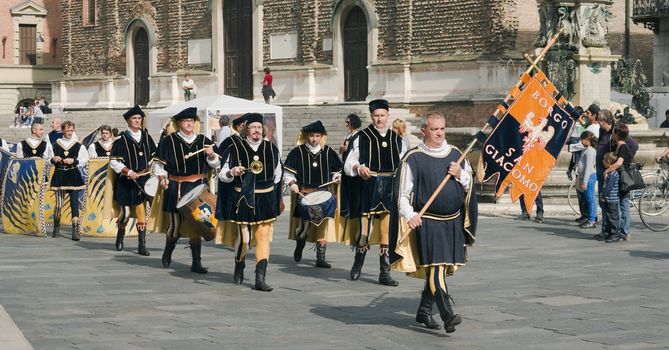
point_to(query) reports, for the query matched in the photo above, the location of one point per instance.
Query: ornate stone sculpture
(596, 28)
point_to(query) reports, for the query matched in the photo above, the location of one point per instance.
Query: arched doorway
(140, 43)
(238, 46)
(355, 55)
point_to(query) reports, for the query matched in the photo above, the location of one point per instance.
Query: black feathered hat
(188, 113)
(134, 111)
(379, 103)
(316, 126)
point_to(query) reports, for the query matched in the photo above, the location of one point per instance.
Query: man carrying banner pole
(442, 233)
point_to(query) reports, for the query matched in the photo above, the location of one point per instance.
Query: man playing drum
(130, 156)
(438, 237)
(254, 168)
(34, 146)
(309, 166)
(180, 173)
(374, 157)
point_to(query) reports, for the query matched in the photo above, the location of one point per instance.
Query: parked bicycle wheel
(572, 198)
(654, 208)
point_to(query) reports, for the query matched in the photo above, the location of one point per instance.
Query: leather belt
(189, 178)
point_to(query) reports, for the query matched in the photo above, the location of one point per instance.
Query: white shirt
(223, 174)
(4, 145)
(406, 181)
(594, 129)
(354, 156)
(289, 177)
(222, 134)
(33, 142)
(159, 168)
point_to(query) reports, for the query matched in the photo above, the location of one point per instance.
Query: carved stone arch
(340, 10)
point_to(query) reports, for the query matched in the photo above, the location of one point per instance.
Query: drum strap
(189, 178)
(257, 190)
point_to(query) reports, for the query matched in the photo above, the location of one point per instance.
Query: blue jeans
(590, 198)
(625, 214)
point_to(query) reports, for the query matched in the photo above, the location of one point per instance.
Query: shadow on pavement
(382, 310)
(566, 230)
(649, 254)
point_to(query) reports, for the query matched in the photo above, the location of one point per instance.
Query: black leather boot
(384, 274)
(56, 228)
(75, 231)
(261, 269)
(120, 233)
(357, 264)
(320, 256)
(424, 313)
(141, 243)
(239, 271)
(170, 244)
(450, 318)
(196, 249)
(299, 247)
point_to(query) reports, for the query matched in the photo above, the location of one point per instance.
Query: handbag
(630, 179)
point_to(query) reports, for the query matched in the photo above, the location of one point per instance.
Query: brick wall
(99, 49)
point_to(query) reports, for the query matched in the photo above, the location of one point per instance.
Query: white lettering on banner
(527, 167)
(558, 119)
(501, 159)
(518, 175)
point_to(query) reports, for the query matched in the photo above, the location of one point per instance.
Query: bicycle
(654, 201)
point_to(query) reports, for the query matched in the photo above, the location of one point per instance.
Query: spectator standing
(574, 138)
(224, 132)
(605, 122)
(400, 127)
(26, 114)
(353, 124)
(267, 90)
(189, 87)
(610, 201)
(525, 215)
(586, 179)
(624, 159)
(38, 114)
(665, 123)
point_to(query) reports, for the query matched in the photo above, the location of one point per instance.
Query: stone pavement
(527, 286)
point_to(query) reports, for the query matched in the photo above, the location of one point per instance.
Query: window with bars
(28, 44)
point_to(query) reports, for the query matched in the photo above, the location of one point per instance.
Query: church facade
(461, 54)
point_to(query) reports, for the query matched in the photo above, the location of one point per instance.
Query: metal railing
(650, 8)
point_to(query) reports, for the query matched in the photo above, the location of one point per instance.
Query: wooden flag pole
(484, 129)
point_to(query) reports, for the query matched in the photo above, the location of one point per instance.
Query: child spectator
(610, 203)
(586, 180)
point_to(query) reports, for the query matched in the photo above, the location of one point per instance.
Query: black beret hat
(253, 118)
(133, 111)
(188, 113)
(316, 126)
(376, 104)
(594, 109)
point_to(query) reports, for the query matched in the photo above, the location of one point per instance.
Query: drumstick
(328, 183)
(199, 151)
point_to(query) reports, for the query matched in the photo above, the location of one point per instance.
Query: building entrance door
(141, 56)
(237, 23)
(355, 56)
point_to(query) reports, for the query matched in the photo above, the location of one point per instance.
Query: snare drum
(151, 186)
(198, 208)
(317, 206)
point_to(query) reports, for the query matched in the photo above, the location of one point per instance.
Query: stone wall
(99, 49)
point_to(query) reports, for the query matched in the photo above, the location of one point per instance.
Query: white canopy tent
(210, 107)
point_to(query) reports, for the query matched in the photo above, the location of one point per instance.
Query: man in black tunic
(441, 235)
(179, 175)
(374, 157)
(130, 156)
(254, 168)
(223, 203)
(308, 166)
(102, 147)
(68, 159)
(34, 146)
